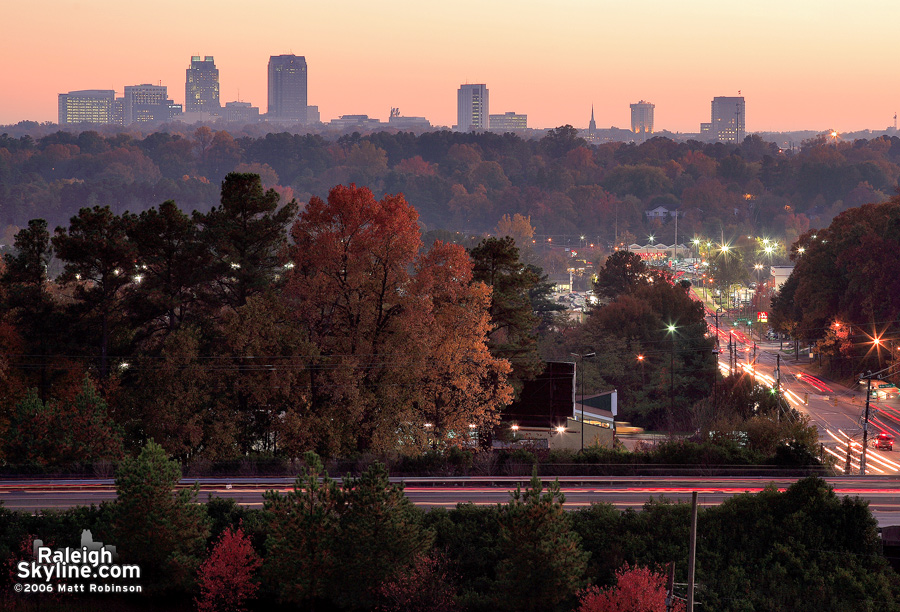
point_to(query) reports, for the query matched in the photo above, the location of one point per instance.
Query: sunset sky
(800, 64)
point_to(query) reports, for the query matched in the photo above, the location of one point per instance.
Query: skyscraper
(201, 87)
(472, 107)
(642, 119)
(87, 106)
(287, 88)
(727, 122)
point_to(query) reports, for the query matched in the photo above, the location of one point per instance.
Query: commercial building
(472, 107)
(287, 88)
(147, 103)
(355, 122)
(87, 106)
(240, 112)
(407, 123)
(508, 122)
(201, 86)
(642, 119)
(727, 119)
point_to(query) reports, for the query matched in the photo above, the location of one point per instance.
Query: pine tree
(156, 526)
(542, 563)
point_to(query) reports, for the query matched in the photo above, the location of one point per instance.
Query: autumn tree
(637, 589)
(155, 525)
(262, 381)
(60, 433)
(427, 585)
(518, 227)
(835, 270)
(542, 563)
(462, 386)
(172, 398)
(227, 579)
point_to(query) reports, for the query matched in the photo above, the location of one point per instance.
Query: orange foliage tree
(390, 342)
(638, 589)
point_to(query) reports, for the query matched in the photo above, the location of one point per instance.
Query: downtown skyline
(552, 65)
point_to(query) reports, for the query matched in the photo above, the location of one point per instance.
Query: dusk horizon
(797, 70)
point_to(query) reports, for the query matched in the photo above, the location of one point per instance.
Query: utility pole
(670, 588)
(862, 459)
(692, 555)
(778, 383)
(582, 356)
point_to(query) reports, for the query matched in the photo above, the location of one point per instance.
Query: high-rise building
(472, 107)
(642, 119)
(728, 119)
(145, 103)
(201, 87)
(508, 122)
(287, 88)
(87, 106)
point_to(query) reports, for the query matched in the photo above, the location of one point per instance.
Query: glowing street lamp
(671, 330)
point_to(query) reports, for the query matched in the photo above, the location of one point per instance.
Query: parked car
(883, 441)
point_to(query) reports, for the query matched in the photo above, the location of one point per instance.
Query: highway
(882, 493)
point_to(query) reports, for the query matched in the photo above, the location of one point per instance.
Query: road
(837, 411)
(882, 493)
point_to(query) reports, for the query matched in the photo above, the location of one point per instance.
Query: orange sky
(800, 64)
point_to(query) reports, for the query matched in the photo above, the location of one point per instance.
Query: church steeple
(592, 126)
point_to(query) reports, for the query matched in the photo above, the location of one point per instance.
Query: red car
(883, 441)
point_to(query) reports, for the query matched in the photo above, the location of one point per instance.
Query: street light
(582, 356)
(640, 359)
(671, 330)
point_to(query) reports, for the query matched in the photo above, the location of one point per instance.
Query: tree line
(842, 295)
(360, 544)
(254, 329)
(464, 182)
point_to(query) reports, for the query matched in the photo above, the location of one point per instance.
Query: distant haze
(800, 64)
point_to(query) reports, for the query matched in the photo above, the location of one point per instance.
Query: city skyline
(785, 59)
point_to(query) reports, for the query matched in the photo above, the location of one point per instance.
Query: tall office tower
(287, 88)
(642, 119)
(143, 103)
(87, 106)
(728, 119)
(472, 107)
(201, 87)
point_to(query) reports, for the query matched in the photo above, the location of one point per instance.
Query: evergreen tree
(246, 235)
(381, 534)
(513, 322)
(300, 563)
(26, 291)
(173, 268)
(99, 263)
(156, 526)
(542, 564)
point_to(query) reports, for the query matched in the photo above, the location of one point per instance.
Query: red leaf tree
(428, 585)
(638, 589)
(227, 578)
